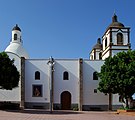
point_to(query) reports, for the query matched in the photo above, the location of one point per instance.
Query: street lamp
(51, 70)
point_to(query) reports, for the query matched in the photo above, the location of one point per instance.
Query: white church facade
(65, 83)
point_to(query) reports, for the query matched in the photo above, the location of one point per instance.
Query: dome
(17, 49)
(115, 22)
(98, 44)
(16, 28)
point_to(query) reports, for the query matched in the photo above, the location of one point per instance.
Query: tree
(9, 76)
(118, 75)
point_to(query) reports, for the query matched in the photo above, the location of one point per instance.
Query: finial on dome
(99, 41)
(114, 18)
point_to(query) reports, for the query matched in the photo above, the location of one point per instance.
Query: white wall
(31, 66)
(60, 85)
(71, 85)
(89, 97)
(107, 54)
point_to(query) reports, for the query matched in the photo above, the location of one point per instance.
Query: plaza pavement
(63, 115)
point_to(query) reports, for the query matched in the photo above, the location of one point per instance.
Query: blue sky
(62, 28)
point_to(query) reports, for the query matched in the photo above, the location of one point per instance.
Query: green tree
(118, 75)
(9, 76)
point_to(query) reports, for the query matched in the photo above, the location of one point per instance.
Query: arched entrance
(65, 100)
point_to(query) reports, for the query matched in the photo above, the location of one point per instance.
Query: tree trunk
(127, 105)
(110, 101)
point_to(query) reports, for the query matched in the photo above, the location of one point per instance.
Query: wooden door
(65, 100)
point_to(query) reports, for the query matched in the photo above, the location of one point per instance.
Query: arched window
(95, 76)
(105, 42)
(15, 36)
(65, 76)
(37, 75)
(120, 39)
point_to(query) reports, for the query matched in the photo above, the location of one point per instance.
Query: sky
(62, 28)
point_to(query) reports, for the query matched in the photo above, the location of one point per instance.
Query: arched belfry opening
(120, 39)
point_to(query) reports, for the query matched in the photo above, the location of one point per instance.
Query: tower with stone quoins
(115, 39)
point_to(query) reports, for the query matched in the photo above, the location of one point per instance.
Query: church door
(65, 100)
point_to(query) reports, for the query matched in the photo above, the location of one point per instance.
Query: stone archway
(65, 100)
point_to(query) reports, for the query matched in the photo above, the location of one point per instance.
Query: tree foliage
(9, 76)
(118, 75)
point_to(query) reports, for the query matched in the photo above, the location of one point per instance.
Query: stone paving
(63, 115)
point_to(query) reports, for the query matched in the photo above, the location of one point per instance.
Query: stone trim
(95, 107)
(22, 82)
(57, 106)
(36, 105)
(80, 84)
(99, 107)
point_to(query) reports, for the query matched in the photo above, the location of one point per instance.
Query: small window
(95, 76)
(37, 75)
(65, 76)
(106, 42)
(95, 90)
(120, 39)
(15, 36)
(37, 90)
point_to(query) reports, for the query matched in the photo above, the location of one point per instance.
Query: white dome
(17, 49)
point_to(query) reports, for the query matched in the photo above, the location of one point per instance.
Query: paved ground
(63, 115)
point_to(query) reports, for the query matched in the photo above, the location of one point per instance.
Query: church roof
(115, 22)
(16, 28)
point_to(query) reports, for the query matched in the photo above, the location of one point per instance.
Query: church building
(65, 84)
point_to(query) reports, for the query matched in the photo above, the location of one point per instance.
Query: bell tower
(115, 39)
(16, 34)
(96, 51)
(16, 47)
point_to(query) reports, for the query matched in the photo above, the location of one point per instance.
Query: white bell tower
(16, 34)
(115, 39)
(16, 46)
(96, 52)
